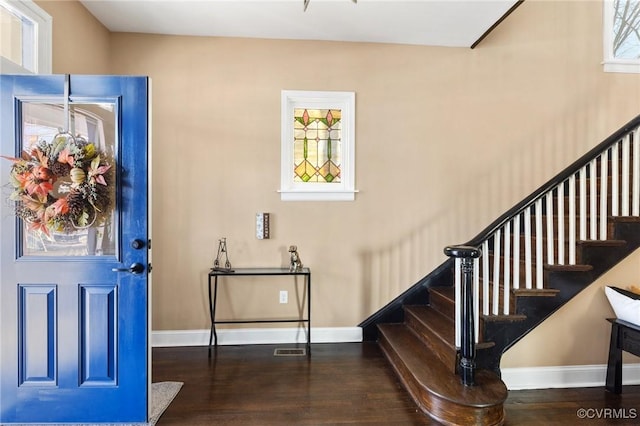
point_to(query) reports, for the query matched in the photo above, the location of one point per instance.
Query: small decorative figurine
(222, 248)
(296, 262)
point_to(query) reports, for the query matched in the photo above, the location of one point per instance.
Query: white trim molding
(344, 189)
(611, 63)
(256, 336)
(37, 43)
(570, 376)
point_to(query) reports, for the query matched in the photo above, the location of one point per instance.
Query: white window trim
(43, 24)
(610, 63)
(298, 191)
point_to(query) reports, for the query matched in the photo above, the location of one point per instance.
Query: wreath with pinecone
(61, 186)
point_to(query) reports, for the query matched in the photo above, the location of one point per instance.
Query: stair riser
(443, 411)
(442, 304)
(443, 350)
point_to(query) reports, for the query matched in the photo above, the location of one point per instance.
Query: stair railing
(543, 230)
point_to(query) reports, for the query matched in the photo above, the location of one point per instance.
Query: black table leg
(309, 315)
(614, 365)
(213, 336)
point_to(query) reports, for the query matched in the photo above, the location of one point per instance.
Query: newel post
(466, 254)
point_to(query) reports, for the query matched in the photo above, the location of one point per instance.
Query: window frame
(41, 39)
(610, 63)
(314, 191)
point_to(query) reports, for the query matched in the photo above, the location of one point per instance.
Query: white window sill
(346, 195)
(630, 67)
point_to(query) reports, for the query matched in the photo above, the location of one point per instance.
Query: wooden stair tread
(444, 326)
(627, 219)
(535, 292)
(446, 291)
(436, 379)
(435, 330)
(602, 243)
(502, 317)
(568, 268)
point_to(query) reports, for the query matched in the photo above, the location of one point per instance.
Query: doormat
(162, 394)
(290, 352)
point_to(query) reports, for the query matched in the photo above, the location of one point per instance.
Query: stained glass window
(316, 145)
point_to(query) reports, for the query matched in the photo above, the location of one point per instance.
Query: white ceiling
(457, 23)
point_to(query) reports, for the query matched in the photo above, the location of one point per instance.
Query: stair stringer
(505, 334)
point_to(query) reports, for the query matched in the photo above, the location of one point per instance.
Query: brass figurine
(222, 248)
(296, 263)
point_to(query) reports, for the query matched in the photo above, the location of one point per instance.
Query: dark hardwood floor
(346, 383)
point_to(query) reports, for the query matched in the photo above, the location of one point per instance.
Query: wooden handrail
(465, 298)
(553, 182)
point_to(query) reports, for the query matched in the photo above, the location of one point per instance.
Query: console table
(625, 336)
(214, 274)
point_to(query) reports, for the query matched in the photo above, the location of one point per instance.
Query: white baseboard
(256, 336)
(571, 376)
(515, 378)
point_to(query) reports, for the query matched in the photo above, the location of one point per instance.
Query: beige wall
(446, 140)
(80, 41)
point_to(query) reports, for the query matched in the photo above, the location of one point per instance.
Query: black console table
(625, 336)
(214, 274)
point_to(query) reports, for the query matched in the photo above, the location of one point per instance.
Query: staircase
(535, 258)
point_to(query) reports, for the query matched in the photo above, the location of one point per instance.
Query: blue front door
(73, 249)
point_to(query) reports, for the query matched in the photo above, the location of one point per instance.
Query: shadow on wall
(388, 271)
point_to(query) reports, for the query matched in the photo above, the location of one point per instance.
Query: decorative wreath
(62, 185)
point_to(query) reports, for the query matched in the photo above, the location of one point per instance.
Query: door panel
(74, 320)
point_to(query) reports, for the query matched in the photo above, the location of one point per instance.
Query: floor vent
(290, 352)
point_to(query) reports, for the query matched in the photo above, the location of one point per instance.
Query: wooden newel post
(466, 254)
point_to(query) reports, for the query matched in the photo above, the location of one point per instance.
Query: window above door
(25, 38)
(621, 36)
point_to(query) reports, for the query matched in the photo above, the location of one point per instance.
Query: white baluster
(476, 298)
(527, 247)
(458, 304)
(583, 203)
(635, 176)
(625, 176)
(496, 273)
(539, 257)
(485, 278)
(615, 177)
(604, 183)
(561, 224)
(593, 218)
(550, 236)
(572, 220)
(516, 251)
(507, 270)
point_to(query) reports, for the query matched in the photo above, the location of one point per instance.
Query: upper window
(622, 36)
(318, 142)
(25, 38)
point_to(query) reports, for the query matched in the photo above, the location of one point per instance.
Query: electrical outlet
(284, 296)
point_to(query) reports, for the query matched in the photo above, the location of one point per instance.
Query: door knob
(135, 268)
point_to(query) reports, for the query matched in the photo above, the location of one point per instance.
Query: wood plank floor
(346, 383)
